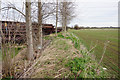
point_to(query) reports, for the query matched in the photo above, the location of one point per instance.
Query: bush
(60, 35)
(76, 27)
(76, 65)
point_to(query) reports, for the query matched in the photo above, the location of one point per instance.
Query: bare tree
(47, 10)
(40, 12)
(56, 16)
(0, 27)
(67, 13)
(43, 12)
(29, 31)
(0, 44)
(40, 22)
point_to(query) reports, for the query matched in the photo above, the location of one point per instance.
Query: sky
(92, 13)
(96, 13)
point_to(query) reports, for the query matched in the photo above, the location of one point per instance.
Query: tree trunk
(56, 16)
(40, 23)
(64, 16)
(65, 25)
(0, 42)
(0, 28)
(0, 35)
(29, 31)
(62, 24)
(66, 11)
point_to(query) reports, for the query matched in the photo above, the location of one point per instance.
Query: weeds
(9, 51)
(60, 35)
(47, 37)
(71, 37)
(84, 67)
(62, 45)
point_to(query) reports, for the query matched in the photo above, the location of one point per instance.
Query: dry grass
(54, 58)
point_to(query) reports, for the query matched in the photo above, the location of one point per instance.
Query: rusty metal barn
(17, 30)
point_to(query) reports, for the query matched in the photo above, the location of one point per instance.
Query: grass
(63, 59)
(16, 51)
(85, 66)
(13, 51)
(60, 44)
(54, 59)
(80, 64)
(92, 37)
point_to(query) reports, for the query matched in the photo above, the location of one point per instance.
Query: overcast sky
(94, 13)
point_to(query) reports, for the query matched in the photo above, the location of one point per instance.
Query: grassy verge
(84, 67)
(53, 59)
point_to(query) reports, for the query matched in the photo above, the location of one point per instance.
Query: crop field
(98, 37)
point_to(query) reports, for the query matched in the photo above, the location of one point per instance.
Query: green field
(99, 37)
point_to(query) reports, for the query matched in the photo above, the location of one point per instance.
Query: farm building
(12, 29)
(59, 29)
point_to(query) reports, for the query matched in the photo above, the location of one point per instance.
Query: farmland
(99, 37)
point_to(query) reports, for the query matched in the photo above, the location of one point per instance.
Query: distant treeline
(77, 27)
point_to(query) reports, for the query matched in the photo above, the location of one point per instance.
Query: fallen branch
(58, 75)
(102, 54)
(91, 49)
(32, 66)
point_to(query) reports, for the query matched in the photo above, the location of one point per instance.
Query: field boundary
(91, 38)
